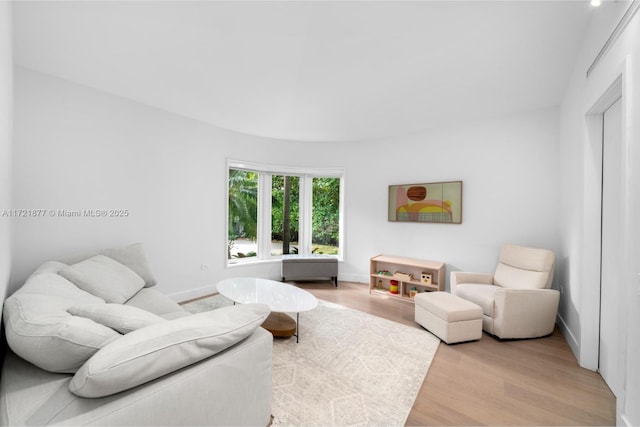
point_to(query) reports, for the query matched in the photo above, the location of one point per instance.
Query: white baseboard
(353, 278)
(624, 421)
(574, 344)
(193, 293)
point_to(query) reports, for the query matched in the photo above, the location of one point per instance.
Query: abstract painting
(435, 202)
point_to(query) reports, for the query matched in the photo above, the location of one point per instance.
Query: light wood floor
(490, 381)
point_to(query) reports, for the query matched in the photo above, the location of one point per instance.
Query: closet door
(611, 285)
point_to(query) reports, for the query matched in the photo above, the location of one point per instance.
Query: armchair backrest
(522, 267)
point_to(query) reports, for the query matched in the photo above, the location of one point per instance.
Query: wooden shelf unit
(413, 266)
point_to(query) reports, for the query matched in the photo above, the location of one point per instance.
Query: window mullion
(264, 215)
(341, 221)
(306, 193)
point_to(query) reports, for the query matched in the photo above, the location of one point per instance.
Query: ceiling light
(596, 2)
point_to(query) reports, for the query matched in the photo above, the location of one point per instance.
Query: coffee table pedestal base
(280, 325)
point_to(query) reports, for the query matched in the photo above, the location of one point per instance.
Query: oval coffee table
(280, 297)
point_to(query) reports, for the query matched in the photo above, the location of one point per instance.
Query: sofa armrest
(460, 277)
(159, 349)
(231, 388)
(525, 313)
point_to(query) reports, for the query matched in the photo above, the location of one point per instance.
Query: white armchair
(516, 300)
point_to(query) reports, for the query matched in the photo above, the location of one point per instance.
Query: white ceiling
(312, 70)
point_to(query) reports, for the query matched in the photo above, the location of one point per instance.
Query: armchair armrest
(460, 277)
(525, 313)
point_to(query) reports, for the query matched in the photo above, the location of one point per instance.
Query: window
(325, 216)
(285, 214)
(275, 211)
(243, 213)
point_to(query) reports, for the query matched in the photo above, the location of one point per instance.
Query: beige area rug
(349, 368)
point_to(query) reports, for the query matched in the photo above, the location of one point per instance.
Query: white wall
(509, 171)
(580, 160)
(79, 148)
(6, 121)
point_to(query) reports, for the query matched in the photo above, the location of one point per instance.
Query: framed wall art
(434, 202)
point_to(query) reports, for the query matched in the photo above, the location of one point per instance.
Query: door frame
(611, 89)
(614, 379)
(608, 89)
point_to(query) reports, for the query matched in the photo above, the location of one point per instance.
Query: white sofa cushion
(157, 350)
(527, 258)
(522, 267)
(517, 278)
(104, 277)
(133, 256)
(49, 267)
(122, 318)
(154, 301)
(39, 329)
(480, 294)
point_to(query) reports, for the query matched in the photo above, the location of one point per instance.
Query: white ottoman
(450, 318)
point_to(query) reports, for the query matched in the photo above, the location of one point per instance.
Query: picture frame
(432, 202)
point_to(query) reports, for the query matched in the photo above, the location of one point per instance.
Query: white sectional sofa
(93, 343)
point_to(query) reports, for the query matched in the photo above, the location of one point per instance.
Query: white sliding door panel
(611, 286)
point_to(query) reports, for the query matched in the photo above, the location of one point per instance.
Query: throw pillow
(39, 329)
(105, 278)
(122, 318)
(134, 257)
(149, 353)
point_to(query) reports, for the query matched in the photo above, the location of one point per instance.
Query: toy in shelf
(425, 278)
(413, 292)
(393, 286)
(405, 277)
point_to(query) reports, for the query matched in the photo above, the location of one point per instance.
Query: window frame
(265, 173)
